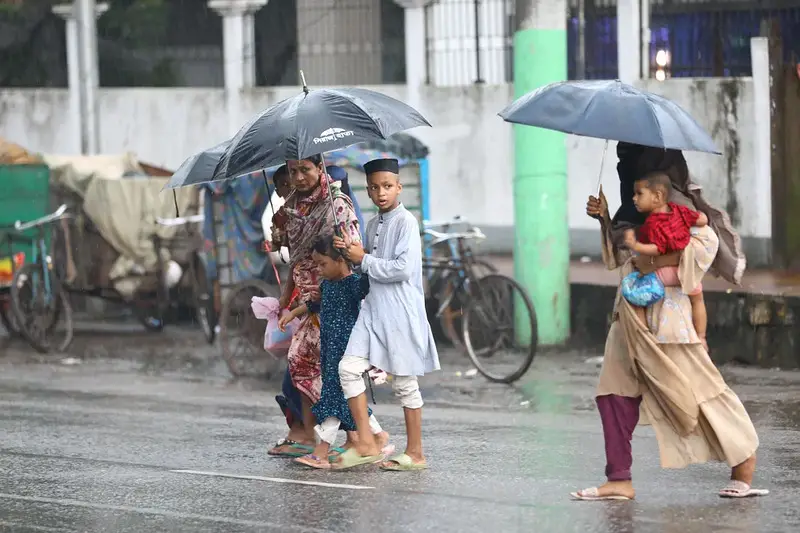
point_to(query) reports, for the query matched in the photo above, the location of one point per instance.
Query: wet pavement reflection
(149, 433)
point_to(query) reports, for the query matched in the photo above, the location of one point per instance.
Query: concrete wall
(471, 147)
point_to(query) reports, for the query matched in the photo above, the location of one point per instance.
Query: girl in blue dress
(342, 292)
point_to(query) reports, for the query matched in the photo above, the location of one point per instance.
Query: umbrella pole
(269, 194)
(602, 163)
(330, 195)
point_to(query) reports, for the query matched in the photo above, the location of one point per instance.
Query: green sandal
(301, 449)
(351, 459)
(402, 463)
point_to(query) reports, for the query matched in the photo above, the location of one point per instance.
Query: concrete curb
(747, 328)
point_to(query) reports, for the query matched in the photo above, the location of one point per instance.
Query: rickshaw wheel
(203, 296)
(241, 334)
(46, 325)
(7, 319)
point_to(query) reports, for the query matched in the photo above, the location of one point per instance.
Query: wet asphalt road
(149, 434)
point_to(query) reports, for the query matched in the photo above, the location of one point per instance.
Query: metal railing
(469, 41)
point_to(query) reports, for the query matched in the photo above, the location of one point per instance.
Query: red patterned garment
(669, 231)
(308, 218)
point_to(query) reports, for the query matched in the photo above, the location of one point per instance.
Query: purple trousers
(619, 415)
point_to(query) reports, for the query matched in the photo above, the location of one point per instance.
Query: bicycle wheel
(498, 312)
(241, 334)
(203, 297)
(450, 317)
(45, 321)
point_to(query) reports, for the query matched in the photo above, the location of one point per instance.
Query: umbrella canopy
(199, 168)
(314, 122)
(610, 110)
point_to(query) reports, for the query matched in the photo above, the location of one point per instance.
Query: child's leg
(381, 436)
(699, 316)
(406, 388)
(352, 438)
(351, 370)
(326, 436)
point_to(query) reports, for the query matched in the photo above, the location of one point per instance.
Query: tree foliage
(33, 46)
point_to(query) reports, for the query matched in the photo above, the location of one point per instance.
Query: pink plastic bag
(276, 342)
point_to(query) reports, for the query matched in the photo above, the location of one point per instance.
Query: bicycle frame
(39, 252)
(459, 267)
(40, 257)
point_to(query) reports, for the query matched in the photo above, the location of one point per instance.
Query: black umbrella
(314, 122)
(199, 168)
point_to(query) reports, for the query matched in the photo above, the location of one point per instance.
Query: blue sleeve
(406, 257)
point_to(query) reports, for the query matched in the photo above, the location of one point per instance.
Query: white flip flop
(740, 489)
(593, 495)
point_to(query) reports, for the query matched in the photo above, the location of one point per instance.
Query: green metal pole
(541, 241)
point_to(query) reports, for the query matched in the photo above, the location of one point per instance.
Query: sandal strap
(736, 486)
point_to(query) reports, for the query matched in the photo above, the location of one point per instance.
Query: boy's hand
(630, 239)
(353, 251)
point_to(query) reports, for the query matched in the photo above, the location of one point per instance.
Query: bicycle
(38, 299)
(440, 248)
(492, 308)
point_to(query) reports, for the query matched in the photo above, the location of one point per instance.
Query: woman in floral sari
(659, 373)
(309, 215)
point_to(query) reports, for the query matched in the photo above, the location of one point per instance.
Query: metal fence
(350, 41)
(469, 41)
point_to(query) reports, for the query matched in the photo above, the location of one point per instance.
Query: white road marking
(160, 512)
(19, 525)
(275, 480)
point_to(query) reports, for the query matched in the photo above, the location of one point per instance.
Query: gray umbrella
(314, 122)
(199, 168)
(610, 110)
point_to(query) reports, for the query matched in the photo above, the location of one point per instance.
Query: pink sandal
(313, 461)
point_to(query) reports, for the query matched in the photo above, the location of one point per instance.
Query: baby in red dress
(666, 229)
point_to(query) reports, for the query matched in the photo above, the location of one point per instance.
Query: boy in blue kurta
(392, 331)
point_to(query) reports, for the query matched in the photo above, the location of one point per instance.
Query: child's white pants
(351, 370)
(329, 428)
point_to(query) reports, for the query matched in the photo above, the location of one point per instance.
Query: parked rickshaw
(240, 268)
(108, 240)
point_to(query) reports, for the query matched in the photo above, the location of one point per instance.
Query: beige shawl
(696, 417)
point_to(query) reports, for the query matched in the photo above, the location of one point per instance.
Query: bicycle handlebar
(458, 219)
(52, 217)
(180, 221)
(439, 237)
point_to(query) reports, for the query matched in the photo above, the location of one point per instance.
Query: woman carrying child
(660, 369)
(341, 294)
